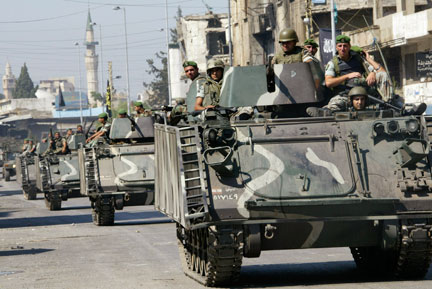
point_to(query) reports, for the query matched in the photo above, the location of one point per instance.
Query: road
(63, 249)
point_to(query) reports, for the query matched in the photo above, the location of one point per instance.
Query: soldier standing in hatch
(357, 98)
(102, 131)
(80, 129)
(290, 53)
(209, 91)
(351, 68)
(122, 113)
(57, 145)
(69, 133)
(310, 48)
(25, 145)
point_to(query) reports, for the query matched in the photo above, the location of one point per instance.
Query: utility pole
(167, 48)
(333, 27)
(229, 34)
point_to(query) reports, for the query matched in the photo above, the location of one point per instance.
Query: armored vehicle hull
(58, 179)
(26, 176)
(239, 187)
(118, 174)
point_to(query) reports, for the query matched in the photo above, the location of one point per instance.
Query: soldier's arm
(64, 148)
(376, 66)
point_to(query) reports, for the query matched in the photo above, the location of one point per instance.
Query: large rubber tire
(7, 175)
(103, 214)
(211, 256)
(53, 201)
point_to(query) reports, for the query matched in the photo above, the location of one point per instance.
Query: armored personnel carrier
(7, 162)
(57, 176)
(274, 180)
(119, 172)
(26, 175)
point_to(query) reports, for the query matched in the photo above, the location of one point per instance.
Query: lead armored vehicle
(57, 175)
(119, 172)
(237, 186)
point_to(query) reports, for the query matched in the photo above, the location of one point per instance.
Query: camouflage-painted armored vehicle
(7, 162)
(26, 175)
(57, 176)
(121, 172)
(273, 182)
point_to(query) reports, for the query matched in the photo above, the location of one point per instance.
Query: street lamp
(79, 89)
(127, 59)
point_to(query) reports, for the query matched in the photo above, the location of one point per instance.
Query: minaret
(9, 82)
(91, 61)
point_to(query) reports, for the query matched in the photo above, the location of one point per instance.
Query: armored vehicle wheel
(211, 256)
(30, 194)
(410, 260)
(53, 201)
(7, 176)
(103, 213)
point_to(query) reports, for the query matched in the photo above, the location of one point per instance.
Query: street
(63, 249)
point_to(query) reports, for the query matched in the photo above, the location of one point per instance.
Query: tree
(24, 85)
(158, 88)
(97, 97)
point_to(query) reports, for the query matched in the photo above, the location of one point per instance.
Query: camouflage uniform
(354, 64)
(289, 57)
(209, 90)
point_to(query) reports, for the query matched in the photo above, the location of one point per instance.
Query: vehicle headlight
(378, 128)
(412, 125)
(393, 127)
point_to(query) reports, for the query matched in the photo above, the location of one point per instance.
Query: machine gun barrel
(380, 101)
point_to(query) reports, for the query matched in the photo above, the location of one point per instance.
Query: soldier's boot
(416, 109)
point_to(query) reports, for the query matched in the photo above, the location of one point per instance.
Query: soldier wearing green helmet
(209, 91)
(102, 132)
(122, 113)
(290, 53)
(310, 48)
(350, 68)
(357, 98)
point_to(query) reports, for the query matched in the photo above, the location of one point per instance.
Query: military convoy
(240, 183)
(57, 176)
(119, 173)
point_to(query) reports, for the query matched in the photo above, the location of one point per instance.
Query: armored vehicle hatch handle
(222, 148)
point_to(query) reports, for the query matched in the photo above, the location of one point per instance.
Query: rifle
(380, 101)
(88, 130)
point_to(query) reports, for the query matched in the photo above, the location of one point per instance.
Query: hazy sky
(42, 34)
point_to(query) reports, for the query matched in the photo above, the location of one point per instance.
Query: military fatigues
(56, 147)
(294, 56)
(209, 90)
(354, 64)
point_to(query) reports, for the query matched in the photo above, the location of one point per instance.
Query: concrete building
(52, 86)
(9, 82)
(91, 61)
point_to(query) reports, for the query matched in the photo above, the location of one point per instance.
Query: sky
(43, 34)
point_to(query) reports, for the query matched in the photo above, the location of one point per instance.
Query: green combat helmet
(287, 34)
(215, 63)
(357, 90)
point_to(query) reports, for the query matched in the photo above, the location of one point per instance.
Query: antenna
(209, 9)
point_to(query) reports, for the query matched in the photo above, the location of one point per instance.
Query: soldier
(191, 70)
(351, 68)
(57, 145)
(29, 147)
(122, 113)
(140, 111)
(209, 91)
(358, 97)
(290, 53)
(25, 145)
(102, 131)
(310, 49)
(79, 129)
(69, 133)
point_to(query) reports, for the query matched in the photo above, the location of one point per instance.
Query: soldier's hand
(354, 75)
(371, 79)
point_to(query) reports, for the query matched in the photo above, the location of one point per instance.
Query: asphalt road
(63, 249)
